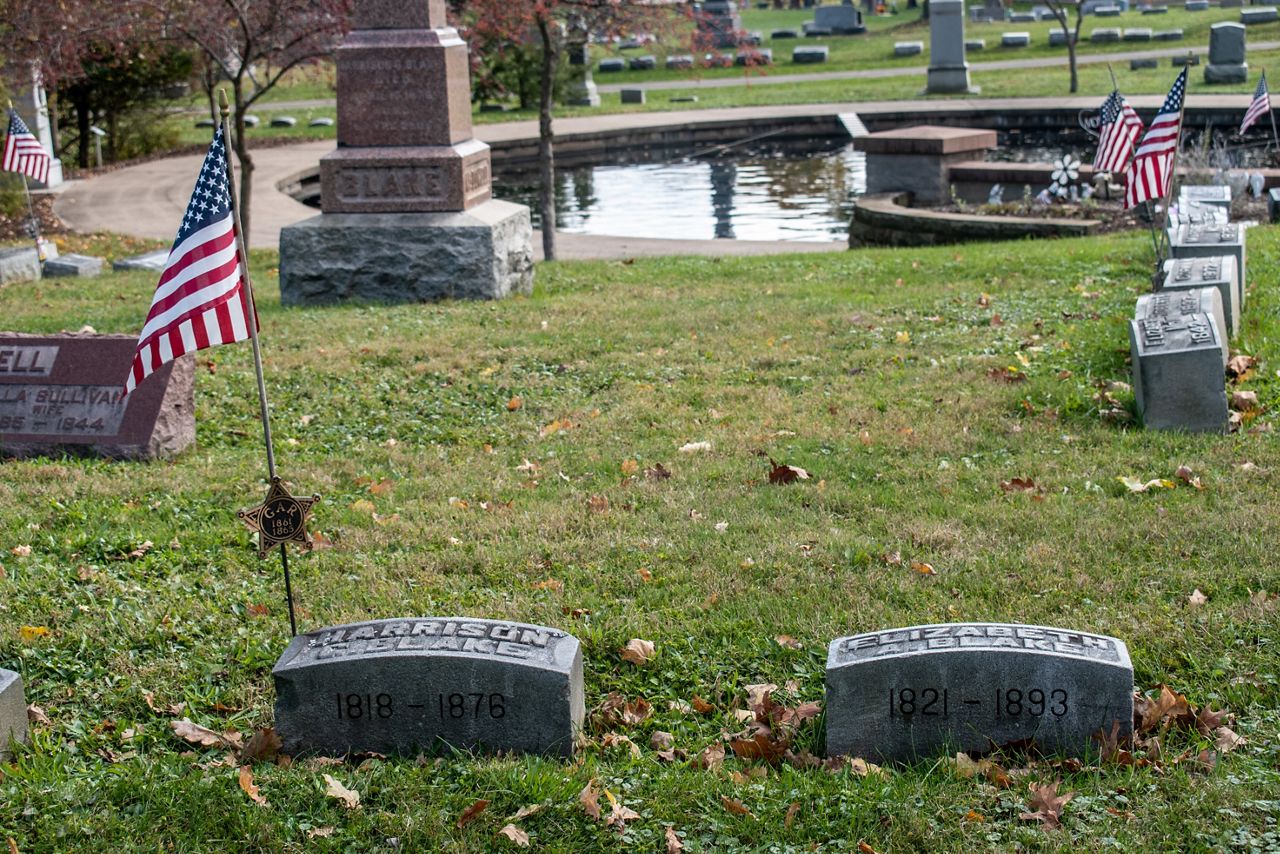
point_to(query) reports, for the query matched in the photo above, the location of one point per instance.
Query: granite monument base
(13, 712)
(1226, 73)
(485, 252)
(949, 80)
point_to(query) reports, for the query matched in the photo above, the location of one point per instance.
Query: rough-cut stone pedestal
(485, 252)
(918, 159)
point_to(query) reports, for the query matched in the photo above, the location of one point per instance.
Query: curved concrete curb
(886, 220)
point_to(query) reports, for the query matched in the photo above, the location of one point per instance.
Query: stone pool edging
(886, 219)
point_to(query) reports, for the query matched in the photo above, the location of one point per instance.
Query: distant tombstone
(1167, 35)
(582, 91)
(1172, 306)
(1189, 59)
(908, 48)
(1226, 54)
(648, 62)
(73, 265)
(1177, 374)
(995, 10)
(1020, 17)
(1207, 241)
(682, 60)
(1017, 39)
(252, 121)
(1196, 5)
(612, 64)
(1108, 11)
(63, 394)
(19, 264)
(1192, 212)
(809, 54)
(205, 123)
(948, 70)
(910, 693)
(283, 121)
(406, 686)
(844, 19)
(1259, 15)
(1155, 10)
(1138, 64)
(153, 261)
(1219, 273)
(975, 44)
(13, 712)
(813, 31)
(321, 122)
(784, 34)
(632, 96)
(718, 22)
(1137, 34)
(1059, 38)
(31, 102)
(1273, 205)
(750, 58)
(1105, 35)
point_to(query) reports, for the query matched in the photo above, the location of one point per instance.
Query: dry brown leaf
(710, 759)
(598, 504)
(638, 651)
(382, 487)
(526, 811)
(204, 737)
(1227, 740)
(645, 574)
(1239, 365)
(629, 468)
(250, 789)
(673, 843)
(320, 832)
(1188, 477)
(173, 709)
(514, 403)
(735, 806)
(1018, 484)
(613, 739)
(864, 848)
(1244, 401)
(657, 472)
(262, 746)
(349, 798)
(661, 740)
(36, 715)
(701, 706)
(553, 584)
(893, 558)
(1047, 805)
(516, 835)
(13, 846)
(974, 816)
(923, 568)
(470, 813)
(589, 797)
(21, 551)
(792, 812)
(788, 642)
(1196, 599)
(783, 474)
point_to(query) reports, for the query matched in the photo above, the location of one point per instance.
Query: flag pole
(1270, 114)
(35, 223)
(225, 109)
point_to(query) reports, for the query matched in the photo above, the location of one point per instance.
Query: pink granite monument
(407, 209)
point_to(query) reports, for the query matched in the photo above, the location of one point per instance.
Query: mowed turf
(470, 452)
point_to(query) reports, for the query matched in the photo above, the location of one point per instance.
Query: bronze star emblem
(281, 518)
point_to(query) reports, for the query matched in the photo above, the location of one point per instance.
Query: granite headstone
(63, 394)
(1226, 54)
(1177, 374)
(948, 70)
(427, 684)
(1173, 306)
(1212, 240)
(911, 693)
(1219, 273)
(13, 712)
(844, 19)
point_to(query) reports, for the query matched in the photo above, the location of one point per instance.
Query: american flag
(201, 298)
(1260, 106)
(1148, 174)
(1120, 129)
(23, 152)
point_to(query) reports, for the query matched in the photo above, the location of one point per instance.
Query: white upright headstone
(33, 106)
(948, 70)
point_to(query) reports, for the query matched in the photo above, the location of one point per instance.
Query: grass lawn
(870, 369)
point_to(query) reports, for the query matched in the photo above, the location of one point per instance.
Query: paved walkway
(147, 200)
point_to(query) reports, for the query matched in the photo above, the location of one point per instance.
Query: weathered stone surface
(948, 70)
(1020, 18)
(63, 394)
(1136, 64)
(975, 44)
(1196, 5)
(1217, 272)
(1167, 35)
(1105, 34)
(1203, 241)
(916, 159)
(321, 122)
(283, 122)
(912, 693)
(757, 56)
(1059, 38)
(632, 96)
(612, 64)
(399, 15)
(1259, 15)
(1108, 11)
(680, 60)
(1226, 54)
(84, 266)
(1217, 194)
(908, 48)
(1022, 39)
(1177, 374)
(405, 686)
(719, 23)
(1172, 306)
(1200, 213)
(813, 31)
(648, 62)
(403, 179)
(20, 264)
(1137, 34)
(13, 712)
(1189, 59)
(809, 54)
(154, 261)
(844, 19)
(483, 253)
(1155, 10)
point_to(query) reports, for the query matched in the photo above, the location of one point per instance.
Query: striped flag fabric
(1259, 107)
(1120, 127)
(201, 300)
(23, 152)
(1148, 174)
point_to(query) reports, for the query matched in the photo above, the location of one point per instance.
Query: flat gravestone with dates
(1177, 373)
(911, 693)
(1208, 272)
(406, 686)
(65, 394)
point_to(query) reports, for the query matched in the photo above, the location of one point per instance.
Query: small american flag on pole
(200, 301)
(1148, 174)
(23, 152)
(1259, 107)
(1119, 129)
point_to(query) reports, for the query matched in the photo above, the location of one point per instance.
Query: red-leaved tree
(494, 26)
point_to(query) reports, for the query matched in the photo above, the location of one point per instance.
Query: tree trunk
(1073, 40)
(1071, 61)
(546, 154)
(80, 98)
(246, 161)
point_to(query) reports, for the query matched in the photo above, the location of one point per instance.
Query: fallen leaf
(1244, 401)
(792, 812)
(864, 848)
(1133, 484)
(1046, 805)
(1188, 477)
(516, 835)
(701, 706)
(1196, 599)
(193, 733)
(262, 746)
(554, 427)
(1227, 740)
(470, 813)
(710, 759)
(661, 740)
(638, 651)
(673, 843)
(320, 832)
(974, 816)
(984, 301)
(528, 467)
(788, 642)
(893, 558)
(923, 568)
(250, 789)
(1018, 484)
(1008, 374)
(514, 403)
(657, 472)
(589, 797)
(598, 504)
(21, 551)
(783, 474)
(630, 467)
(253, 609)
(349, 798)
(553, 584)
(1239, 365)
(735, 806)
(613, 739)
(645, 575)
(364, 505)
(694, 447)
(32, 633)
(620, 814)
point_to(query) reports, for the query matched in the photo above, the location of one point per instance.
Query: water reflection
(748, 195)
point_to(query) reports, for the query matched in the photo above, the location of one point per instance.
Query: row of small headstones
(1180, 335)
(253, 121)
(404, 686)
